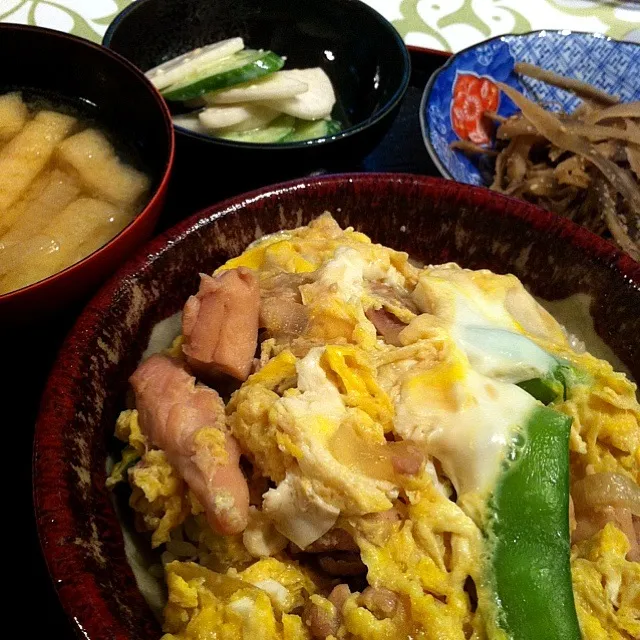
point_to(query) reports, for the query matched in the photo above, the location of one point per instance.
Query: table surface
(444, 25)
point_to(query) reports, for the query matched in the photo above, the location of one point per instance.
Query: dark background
(29, 351)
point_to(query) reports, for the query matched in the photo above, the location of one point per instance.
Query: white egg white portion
(343, 276)
(504, 355)
(465, 419)
(474, 307)
(298, 512)
(319, 397)
(466, 408)
(249, 613)
(275, 590)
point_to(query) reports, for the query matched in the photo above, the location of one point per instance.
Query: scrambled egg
(606, 586)
(315, 421)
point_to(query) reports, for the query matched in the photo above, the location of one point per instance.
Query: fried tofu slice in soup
(26, 155)
(48, 195)
(92, 157)
(13, 115)
(79, 229)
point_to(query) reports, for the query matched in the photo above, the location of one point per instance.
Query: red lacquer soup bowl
(432, 219)
(114, 92)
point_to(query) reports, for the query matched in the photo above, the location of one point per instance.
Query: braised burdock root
(584, 165)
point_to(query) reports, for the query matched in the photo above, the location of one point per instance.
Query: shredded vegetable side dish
(584, 165)
(342, 445)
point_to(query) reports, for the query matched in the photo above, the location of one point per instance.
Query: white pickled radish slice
(315, 103)
(221, 117)
(177, 69)
(255, 116)
(189, 121)
(276, 86)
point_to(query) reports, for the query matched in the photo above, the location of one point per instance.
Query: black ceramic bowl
(361, 52)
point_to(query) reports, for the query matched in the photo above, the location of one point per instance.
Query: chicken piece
(342, 563)
(334, 540)
(336, 551)
(220, 324)
(387, 325)
(381, 601)
(393, 296)
(323, 617)
(407, 459)
(339, 595)
(187, 421)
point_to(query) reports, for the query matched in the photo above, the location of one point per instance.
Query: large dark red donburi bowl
(432, 219)
(127, 104)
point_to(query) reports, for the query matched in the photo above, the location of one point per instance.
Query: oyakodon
(393, 461)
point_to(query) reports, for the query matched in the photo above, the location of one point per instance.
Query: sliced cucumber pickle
(240, 67)
(312, 130)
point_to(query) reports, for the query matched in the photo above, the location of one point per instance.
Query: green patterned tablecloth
(448, 25)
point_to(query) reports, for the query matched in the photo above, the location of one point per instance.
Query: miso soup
(65, 189)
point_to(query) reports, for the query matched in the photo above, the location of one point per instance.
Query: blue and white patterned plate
(464, 87)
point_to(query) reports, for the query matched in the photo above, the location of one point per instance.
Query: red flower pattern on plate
(472, 97)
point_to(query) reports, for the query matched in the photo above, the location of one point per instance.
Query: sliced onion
(606, 489)
(382, 461)
(279, 315)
